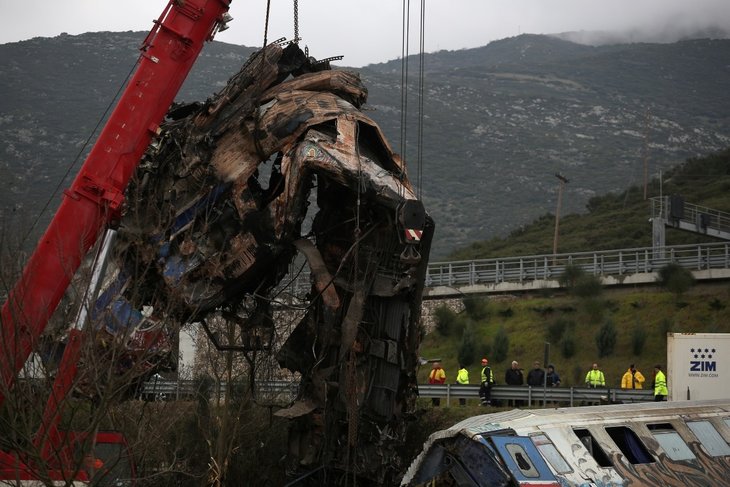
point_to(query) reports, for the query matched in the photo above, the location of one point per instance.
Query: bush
(485, 349)
(500, 347)
(675, 278)
(594, 308)
(476, 308)
(555, 330)
(587, 287)
(638, 338)
(467, 348)
(567, 344)
(606, 338)
(445, 320)
(506, 313)
(716, 305)
(570, 276)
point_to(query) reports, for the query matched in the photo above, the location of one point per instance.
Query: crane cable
(421, 73)
(404, 90)
(404, 78)
(266, 22)
(296, 22)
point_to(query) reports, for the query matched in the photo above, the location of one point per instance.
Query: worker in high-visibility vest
(487, 381)
(462, 378)
(632, 379)
(595, 378)
(660, 384)
(436, 376)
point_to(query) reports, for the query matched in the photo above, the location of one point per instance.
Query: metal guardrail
(534, 396)
(618, 263)
(169, 390)
(166, 390)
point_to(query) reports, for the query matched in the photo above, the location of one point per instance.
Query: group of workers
(537, 377)
(632, 379)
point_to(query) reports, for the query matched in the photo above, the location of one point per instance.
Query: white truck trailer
(698, 366)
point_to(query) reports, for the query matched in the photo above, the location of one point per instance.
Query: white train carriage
(644, 444)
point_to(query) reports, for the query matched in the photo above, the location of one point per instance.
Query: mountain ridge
(499, 120)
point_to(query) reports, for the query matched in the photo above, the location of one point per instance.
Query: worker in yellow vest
(595, 378)
(632, 379)
(660, 384)
(487, 381)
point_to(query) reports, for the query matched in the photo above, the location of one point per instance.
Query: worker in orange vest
(436, 376)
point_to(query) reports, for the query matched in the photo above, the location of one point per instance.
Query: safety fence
(674, 210)
(538, 396)
(278, 391)
(620, 262)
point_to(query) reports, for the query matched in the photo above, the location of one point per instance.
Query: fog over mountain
(372, 32)
(689, 29)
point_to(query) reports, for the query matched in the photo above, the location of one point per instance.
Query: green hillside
(528, 322)
(618, 220)
(613, 221)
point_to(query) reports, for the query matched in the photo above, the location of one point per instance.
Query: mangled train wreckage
(203, 232)
(649, 444)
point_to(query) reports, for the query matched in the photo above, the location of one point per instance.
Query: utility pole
(646, 152)
(562, 181)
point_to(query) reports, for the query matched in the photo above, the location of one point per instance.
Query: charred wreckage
(202, 232)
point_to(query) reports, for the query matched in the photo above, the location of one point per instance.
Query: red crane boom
(92, 202)
(96, 195)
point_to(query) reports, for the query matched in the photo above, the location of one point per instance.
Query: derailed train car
(284, 161)
(667, 444)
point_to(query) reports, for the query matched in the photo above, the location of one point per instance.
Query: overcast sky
(369, 31)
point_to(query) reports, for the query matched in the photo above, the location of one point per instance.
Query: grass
(700, 310)
(617, 220)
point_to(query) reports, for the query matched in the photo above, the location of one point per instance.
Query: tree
(570, 276)
(500, 347)
(445, 320)
(567, 344)
(676, 279)
(587, 286)
(477, 308)
(606, 338)
(556, 329)
(467, 348)
(638, 338)
(116, 359)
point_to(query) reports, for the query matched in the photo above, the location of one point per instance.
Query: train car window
(522, 459)
(550, 453)
(715, 445)
(629, 444)
(670, 441)
(593, 447)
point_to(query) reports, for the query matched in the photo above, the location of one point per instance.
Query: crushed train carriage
(204, 231)
(659, 443)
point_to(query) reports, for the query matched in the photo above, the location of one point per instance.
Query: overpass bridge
(621, 267)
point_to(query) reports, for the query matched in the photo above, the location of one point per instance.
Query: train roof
(526, 418)
(526, 421)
